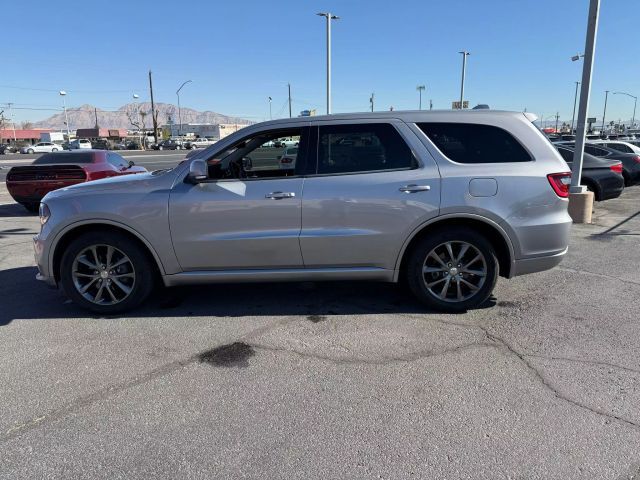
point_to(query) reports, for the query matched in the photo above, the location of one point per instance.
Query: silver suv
(444, 200)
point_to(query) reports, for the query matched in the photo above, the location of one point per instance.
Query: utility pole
(575, 99)
(371, 100)
(154, 115)
(557, 117)
(329, 17)
(95, 112)
(606, 95)
(430, 104)
(420, 89)
(579, 201)
(13, 123)
(465, 54)
(289, 85)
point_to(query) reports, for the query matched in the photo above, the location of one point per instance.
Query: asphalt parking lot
(331, 380)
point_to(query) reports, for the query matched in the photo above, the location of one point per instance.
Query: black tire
(144, 271)
(33, 207)
(30, 150)
(418, 256)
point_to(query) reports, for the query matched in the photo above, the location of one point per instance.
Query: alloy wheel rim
(103, 274)
(454, 271)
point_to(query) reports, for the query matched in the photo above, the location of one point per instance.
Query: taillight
(286, 160)
(636, 158)
(560, 183)
(617, 168)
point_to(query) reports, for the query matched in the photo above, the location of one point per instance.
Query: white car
(619, 145)
(288, 159)
(42, 147)
(79, 144)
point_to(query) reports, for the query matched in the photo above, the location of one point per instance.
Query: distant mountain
(85, 117)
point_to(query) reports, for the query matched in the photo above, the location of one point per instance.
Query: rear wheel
(30, 150)
(106, 273)
(453, 269)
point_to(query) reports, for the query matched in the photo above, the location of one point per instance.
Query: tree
(136, 119)
(26, 125)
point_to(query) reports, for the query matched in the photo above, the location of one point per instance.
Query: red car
(27, 185)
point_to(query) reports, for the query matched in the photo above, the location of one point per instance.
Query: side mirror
(198, 172)
(247, 163)
(131, 163)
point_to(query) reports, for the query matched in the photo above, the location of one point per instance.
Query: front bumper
(43, 274)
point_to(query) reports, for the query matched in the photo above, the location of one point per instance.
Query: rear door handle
(279, 195)
(413, 188)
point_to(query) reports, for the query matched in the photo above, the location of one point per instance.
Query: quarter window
(362, 148)
(473, 143)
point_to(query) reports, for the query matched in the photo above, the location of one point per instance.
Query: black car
(600, 175)
(168, 145)
(630, 161)
(6, 148)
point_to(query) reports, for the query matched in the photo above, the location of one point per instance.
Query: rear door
(371, 184)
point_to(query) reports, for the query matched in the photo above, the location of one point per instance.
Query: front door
(247, 216)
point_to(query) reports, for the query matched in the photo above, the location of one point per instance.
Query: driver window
(266, 155)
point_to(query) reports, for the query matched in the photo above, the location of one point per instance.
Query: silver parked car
(446, 200)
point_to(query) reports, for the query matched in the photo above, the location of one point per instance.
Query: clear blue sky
(240, 52)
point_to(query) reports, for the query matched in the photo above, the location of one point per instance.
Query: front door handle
(413, 188)
(279, 195)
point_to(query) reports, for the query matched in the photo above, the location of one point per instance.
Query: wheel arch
(75, 230)
(490, 229)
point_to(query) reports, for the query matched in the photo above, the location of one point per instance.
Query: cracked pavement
(335, 380)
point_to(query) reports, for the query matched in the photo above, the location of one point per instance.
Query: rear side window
(567, 155)
(472, 143)
(621, 147)
(362, 148)
(598, 152)
(57, 158)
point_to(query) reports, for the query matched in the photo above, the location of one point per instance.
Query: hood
(121, 183)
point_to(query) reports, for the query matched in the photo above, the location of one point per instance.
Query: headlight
(45, 213)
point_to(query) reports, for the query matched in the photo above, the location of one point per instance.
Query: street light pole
(635, 101)
(557, 117)
(420, 89)
(371, 100)
(66, 117)
(329, 17)
(179, 110)
(575, 100)
(270, 116)
(465, 54)
(606, 95)
(135, 103)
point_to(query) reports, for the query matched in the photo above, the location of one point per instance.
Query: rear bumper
(537, 264)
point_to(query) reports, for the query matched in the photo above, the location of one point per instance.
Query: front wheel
(160, 147)
(106, 273)
(453, 269)
(30, 150)
(54, 149)
(178, 147)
